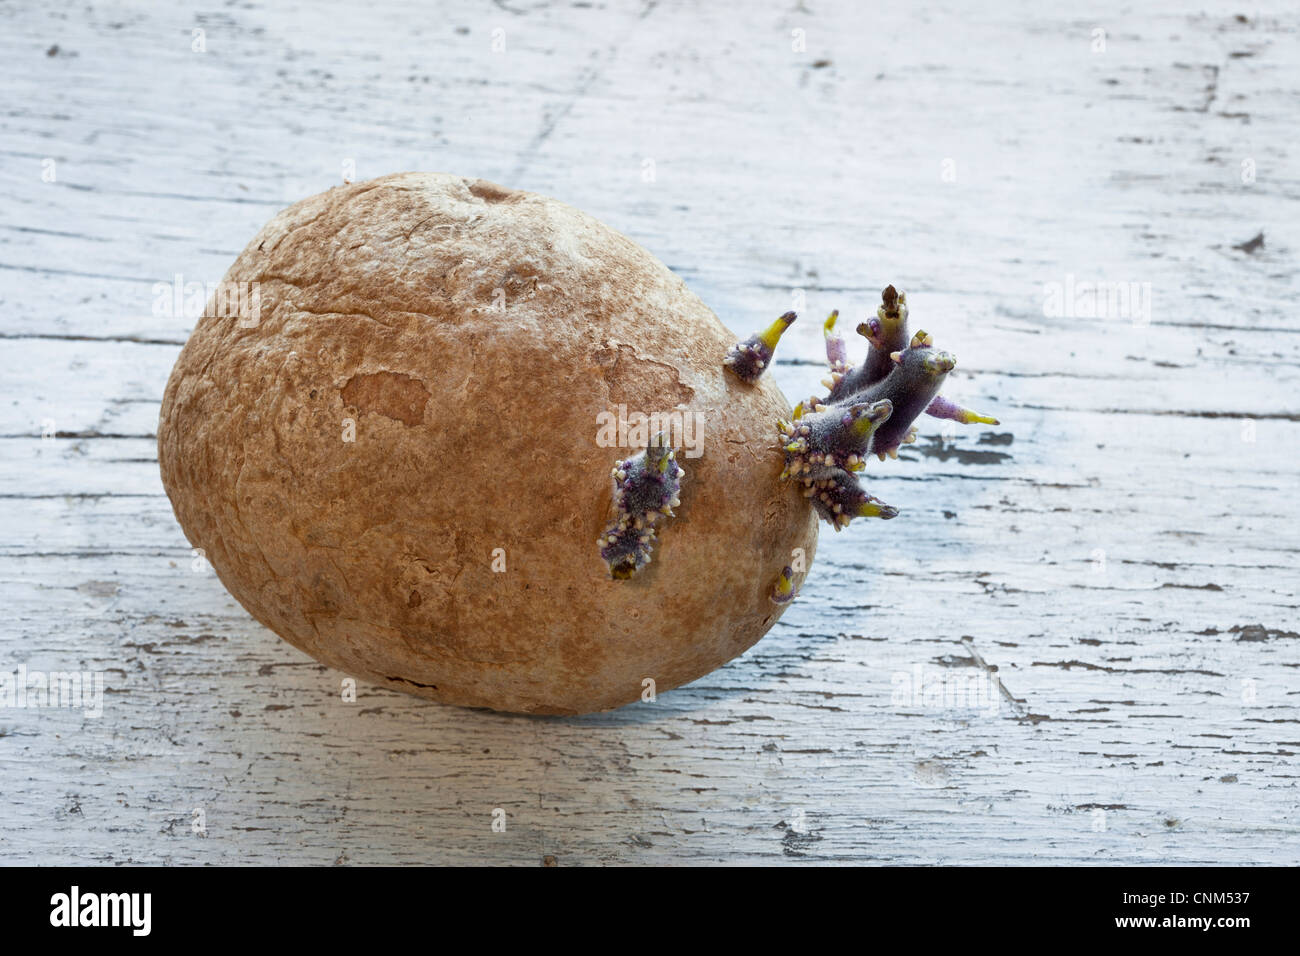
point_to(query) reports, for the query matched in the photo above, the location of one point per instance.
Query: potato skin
(475, 429)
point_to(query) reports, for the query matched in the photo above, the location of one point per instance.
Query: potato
(398, 458)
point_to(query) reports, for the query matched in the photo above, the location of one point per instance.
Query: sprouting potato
(470, 443)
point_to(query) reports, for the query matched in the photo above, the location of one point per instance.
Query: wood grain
(1121, 552)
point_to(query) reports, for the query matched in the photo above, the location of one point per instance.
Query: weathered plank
(1121, 553)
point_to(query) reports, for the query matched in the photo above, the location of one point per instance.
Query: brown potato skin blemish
(394, 396)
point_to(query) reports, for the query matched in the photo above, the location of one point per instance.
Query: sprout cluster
(645, 486)
(869, 408)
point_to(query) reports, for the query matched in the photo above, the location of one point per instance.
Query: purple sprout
(749, 359)
(784, 590)
(646, 486)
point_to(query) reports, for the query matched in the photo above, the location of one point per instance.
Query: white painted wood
(1110, 549)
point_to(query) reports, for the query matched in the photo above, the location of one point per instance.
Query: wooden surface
(1118, 550)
